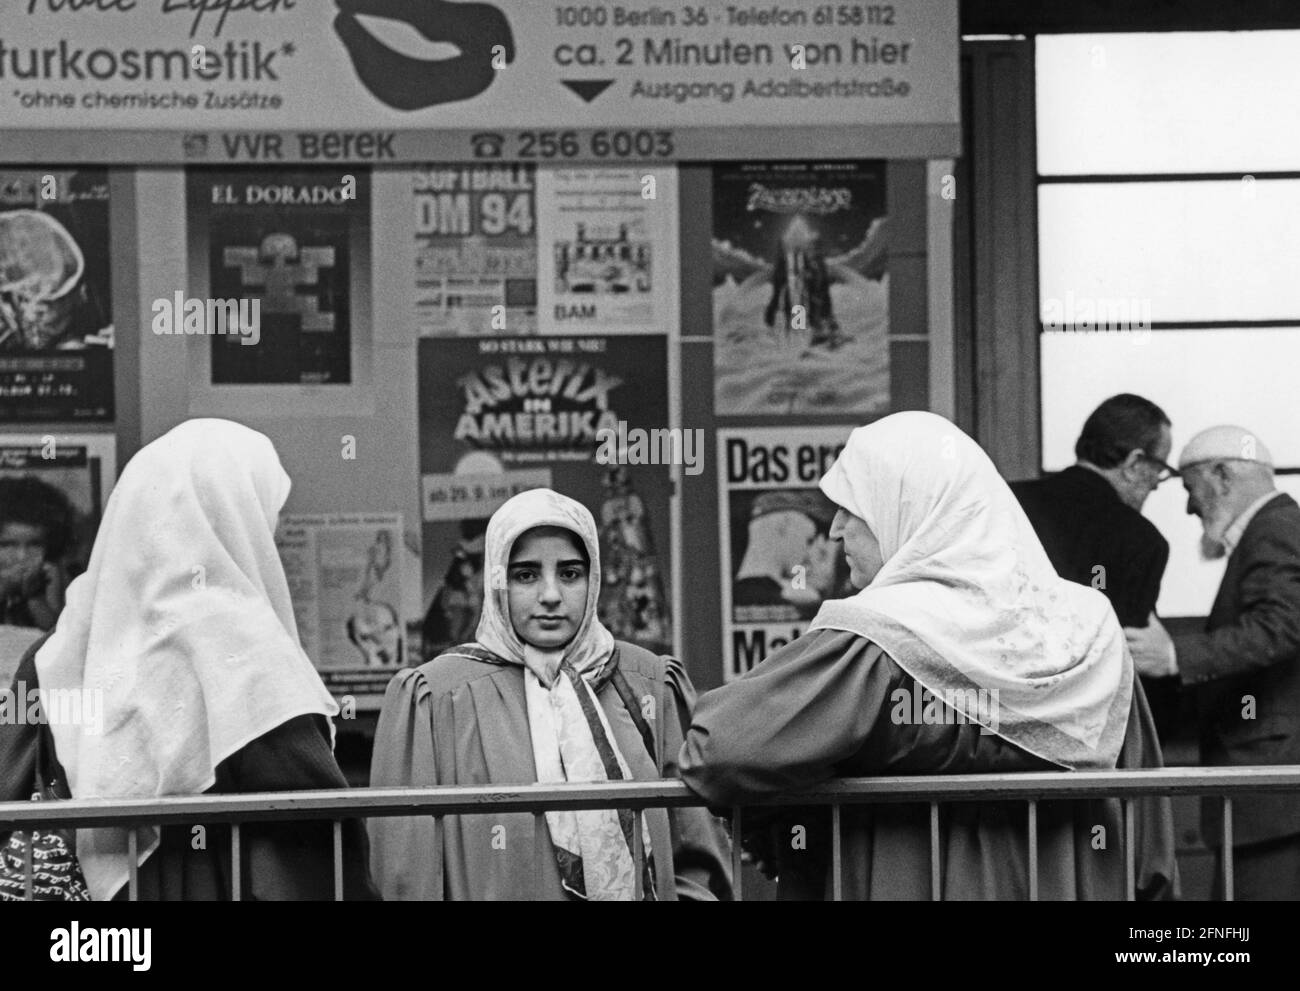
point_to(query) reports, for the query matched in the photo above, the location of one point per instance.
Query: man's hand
(1152, 649)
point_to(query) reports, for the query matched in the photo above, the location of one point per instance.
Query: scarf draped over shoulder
(181, 631)
(967, 601)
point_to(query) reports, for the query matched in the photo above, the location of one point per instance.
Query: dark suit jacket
(1252, 648)
(1083, 525)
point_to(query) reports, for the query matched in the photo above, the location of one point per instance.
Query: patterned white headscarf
(967, 600)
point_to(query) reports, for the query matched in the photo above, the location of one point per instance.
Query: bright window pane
(1199, 377)
(1197, 251)
(1168, 102)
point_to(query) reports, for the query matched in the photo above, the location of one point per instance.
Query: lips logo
(406, 83)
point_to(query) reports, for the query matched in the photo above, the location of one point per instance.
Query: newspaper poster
(346, 574)
(800, 289)
(56, 316)
(607, 254)
(53, 488)
(291, 248)
(778, 561)
(475, 250)
(499, 416)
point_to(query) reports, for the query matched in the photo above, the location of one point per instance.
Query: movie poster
(56, 318)
(778, 561)
(53, 488)
(475, 250)
(293, 246)
(345, 574)
(499, 416)
(607, 255)
(800, 289)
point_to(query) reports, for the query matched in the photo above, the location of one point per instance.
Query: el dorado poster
(502, 415)
(296, 244)
(800, 289)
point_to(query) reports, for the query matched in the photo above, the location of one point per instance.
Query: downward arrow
(588, 89)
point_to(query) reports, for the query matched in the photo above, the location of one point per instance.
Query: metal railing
(934, 790)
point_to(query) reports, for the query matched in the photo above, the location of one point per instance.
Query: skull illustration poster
(56, 324)
(287, 246)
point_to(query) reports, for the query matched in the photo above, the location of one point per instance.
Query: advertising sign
(277, 81)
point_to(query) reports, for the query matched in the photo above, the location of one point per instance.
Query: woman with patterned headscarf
(544, 694)
(962, 652)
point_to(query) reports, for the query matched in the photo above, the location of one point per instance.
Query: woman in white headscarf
(180, 636)
(963, 652)
(544, 694)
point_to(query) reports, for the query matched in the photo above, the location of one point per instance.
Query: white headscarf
(182, 624)
(565, 719)
(967, 598)
(593, 645)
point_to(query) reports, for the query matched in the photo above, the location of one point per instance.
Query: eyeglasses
(1166, 472)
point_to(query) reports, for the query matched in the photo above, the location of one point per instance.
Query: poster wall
(778, 561)
(346, 575)
(800, 288)
(279, 280)
(56, 324)
(502, 415)
(53, 488)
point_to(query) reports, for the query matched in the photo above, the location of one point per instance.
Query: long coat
(1245, 672)
(829, 705)
(460, 720)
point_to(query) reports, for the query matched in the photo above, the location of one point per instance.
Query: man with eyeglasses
(1244, 671)
(1089, 516)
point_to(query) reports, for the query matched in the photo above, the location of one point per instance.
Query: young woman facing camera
(543, 694)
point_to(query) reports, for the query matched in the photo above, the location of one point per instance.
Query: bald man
(1245, 669)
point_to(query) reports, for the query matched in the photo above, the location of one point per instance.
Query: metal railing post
(1033, 850)
(638, 858)
(133, 858)
(236, 868)
(338, 860)
(1130, 852)
(837, 856)
(737, 882)
(541, 851)
(1227, 848)
(936, 884)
